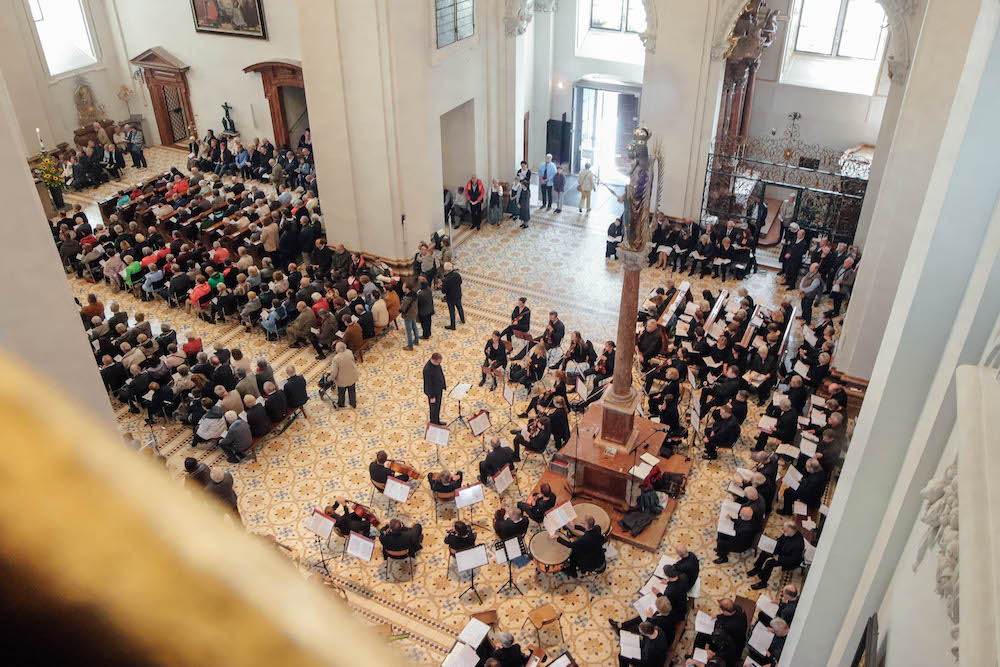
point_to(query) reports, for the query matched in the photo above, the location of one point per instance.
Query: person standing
(344, 372)
(434, 386)
(559, 185)
(475, 192)
(524, 201)
(585, 184)
(135, 140)
(425, 308)
(408, 309)
(546, 174)
(451, 285)
(811, 287)
(494, 214)
(843, 283)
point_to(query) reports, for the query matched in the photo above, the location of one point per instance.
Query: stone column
(748, 98)
(739, 91)
(620, 402)
(40, 327)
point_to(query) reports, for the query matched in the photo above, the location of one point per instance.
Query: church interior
(286, 253)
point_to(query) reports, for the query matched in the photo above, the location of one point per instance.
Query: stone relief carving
(941, 517)
(648, 36)
(517, 16)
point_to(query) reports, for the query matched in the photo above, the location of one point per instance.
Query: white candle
(39, 133)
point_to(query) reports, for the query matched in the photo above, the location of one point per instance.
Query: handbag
(579, 189)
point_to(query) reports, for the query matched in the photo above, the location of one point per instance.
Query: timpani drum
(548, 554)
(600, 515)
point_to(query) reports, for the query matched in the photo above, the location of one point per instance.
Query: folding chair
(401, 555)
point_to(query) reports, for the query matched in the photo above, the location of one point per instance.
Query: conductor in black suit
(434, 386)
(587, 550)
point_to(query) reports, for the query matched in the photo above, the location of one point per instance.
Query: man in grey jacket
(843, 283)
(811, 286)
(238, 438)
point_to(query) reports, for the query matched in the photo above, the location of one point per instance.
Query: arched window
(841, 29)
(64, 34)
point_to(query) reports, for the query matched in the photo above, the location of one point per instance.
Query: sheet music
(558, 516)
(792, 477)
(799, 508)
(767, 424)
(469, 559)
(508, 394)
(645, 606)
(704, 623)
(462, 655)
(654, 585)
(730, 507)
(695, 419)
(360, 546)
(480, 423)
(736, 490)
(396, 490)
(787, 450)
(818, 401)
(459, 391)
(650, 459)
(437, 434)
(808, 524)
(148, 396)
(690, 308)
(810, 436)
(800, 368)
(682, 329)
(744, 473)
(641, 471)
(767, 605)
(474, 632)
(503, 479)
(809, 553)
(512, 547)
(817, 417)
(726, 525)
(807, 447)
(565, 660)
(95, 344)
(767, 544)
(808, 336)
(469, 495)
(760, 639)
(320, 524)
(581, 389)
(664, 561)
(700, 655)
(695, 591)
(803, 421)
(630, 645)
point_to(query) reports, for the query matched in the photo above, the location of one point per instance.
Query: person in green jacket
(132, 271)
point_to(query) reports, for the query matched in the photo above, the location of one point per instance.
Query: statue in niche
(87, 108)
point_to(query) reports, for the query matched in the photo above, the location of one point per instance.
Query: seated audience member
(460, 537)
(538, 503)
(275, 402)
(396, 537)
(238, 438)
(260, 423)
(195, 473)
(220, 485)
(295, 389)
(212, 424)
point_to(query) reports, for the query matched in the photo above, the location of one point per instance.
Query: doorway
(296, 112)
(284, 89)
(605, 119)
(178, 121)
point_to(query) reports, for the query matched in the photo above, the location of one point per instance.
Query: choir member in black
(786, 428)
(380, 472)
(819, 371)
(838, 394)
(685, 242)
(662, 618)
(445, 482)
(792, 258)
(751, 498)
(765, 368)
(721, 391)
(662, 240)
(661, 371)
(616, 231)
(780, 629)
(495, 353)
(586, 550)
(508, 654)
(745, 527)
(559, 421)
(787, 605)
(724, 432)
(539, 432)
(495, 460)
(788, 554)
(547, 398)
(532, 371)
(810, 489)
(721, 356)
(649, 345)
(460, 537)
(730, 635)
(702, 255)
(663, 403)
(798, 394)
(538, 503)
(725, 253)
(349, 520)
(509, 525)
(520, 319)
(687, 564)
(739, 406)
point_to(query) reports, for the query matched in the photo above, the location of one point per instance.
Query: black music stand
(460, 418)
(324, 560)
(510, 406)
(472, 584)
(511, 584)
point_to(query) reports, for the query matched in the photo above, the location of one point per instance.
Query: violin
(546, 336)
(602, 364)
(401, 468)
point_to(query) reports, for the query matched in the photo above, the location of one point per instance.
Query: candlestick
(41, 143)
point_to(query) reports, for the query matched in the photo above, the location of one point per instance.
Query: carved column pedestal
(618, 419)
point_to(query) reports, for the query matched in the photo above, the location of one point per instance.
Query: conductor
(434, 386)
(587, 550)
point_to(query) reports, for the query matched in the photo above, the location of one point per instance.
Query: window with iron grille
(455, 20)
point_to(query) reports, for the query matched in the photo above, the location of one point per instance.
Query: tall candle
(39, 133)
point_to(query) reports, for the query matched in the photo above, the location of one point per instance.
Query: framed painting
(242, 18)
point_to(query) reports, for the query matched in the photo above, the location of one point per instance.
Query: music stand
(321, 526)
(458, 392)
(508, 397)
(526, 337)
(439, 435)
(471, 559)
(506, 548)
(496, 373)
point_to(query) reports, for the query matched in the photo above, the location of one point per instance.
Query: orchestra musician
(510, 525)
(587, 550)
(520, 319)
(445, 482)
(495, 353)
(551, 338)
(579, 352)
(538, 503)
(649, 345)
(559, 421)
(380, 472)
(508, 654)
(460, 537)
(547, 397)
(604, 367)
(353, 520)
(537, 438)
(531, 372)
(397, 537)
(496, 459)
(722, 390)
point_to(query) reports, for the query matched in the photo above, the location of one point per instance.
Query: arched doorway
(285, 93)
(166, 78)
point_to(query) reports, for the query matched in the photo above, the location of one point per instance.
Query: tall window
(841, 28)
(456, 21)
(618, 15)
(64, 34)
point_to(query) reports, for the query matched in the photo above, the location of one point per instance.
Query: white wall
(458, 154)
(836, 119)
(47, 103)
(523, 86)
(216, 61)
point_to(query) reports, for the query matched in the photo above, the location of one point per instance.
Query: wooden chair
(376, 487)
(403, 554)
(444, 497)
(543, 618)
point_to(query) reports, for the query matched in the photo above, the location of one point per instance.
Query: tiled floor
(558, 263)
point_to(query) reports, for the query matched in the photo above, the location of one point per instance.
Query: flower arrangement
(49, 174)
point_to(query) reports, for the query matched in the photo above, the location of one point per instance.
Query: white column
(944, 308)
(40, 325)
(905, 184)
(886, 132)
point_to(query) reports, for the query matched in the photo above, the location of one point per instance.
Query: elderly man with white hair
(238, 438)
(220, 485)
(785, 428)
(344, 373)
(788, 553)
(508, 652)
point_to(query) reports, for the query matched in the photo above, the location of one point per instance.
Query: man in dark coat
(425, 308)
(434, 386)
(451, 285)
(587, 550)
(789, 551)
